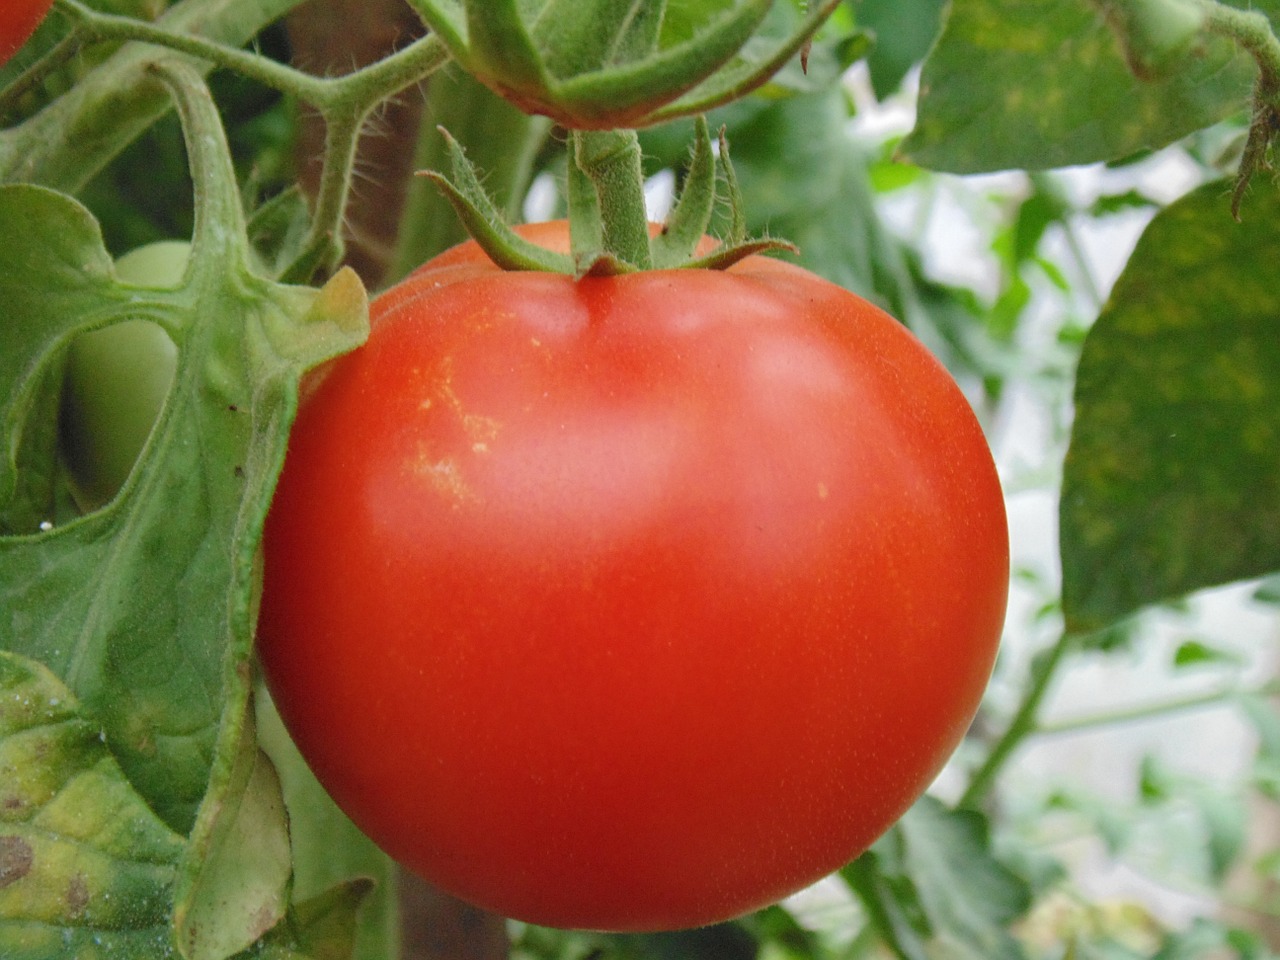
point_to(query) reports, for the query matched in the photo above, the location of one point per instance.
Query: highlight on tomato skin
(18, 21)
(631, 603)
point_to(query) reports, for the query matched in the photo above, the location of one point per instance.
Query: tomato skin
(631, 603)
(18, 21)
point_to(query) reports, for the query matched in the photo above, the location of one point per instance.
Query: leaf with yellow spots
(1172, 479)
(86, 868)
(1034, 84)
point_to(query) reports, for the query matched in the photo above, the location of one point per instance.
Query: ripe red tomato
(18, 21)
(631, 603)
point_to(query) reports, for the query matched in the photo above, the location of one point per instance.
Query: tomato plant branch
(93, 25)
(1252, 32)
(218, 236)
(1151, 711)
(1043, 670)
(68, 142)
(368, 85)
(344, 102)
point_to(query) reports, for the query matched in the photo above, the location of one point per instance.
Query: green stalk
(345, 102)
(1252, 32)
(611, 161)
(69, 142)
(1152, 711)
(1043, 670)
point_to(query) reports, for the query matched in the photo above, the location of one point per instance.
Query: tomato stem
(1043, 671)
(1252, 32)
(345, 102)
(610, 160)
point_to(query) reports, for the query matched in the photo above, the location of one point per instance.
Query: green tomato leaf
(86, 869)
(234, 882)
(40, 315)
(904, 30)
(136, 606)
(145, 608)
(934, 874)
(969, 896)
(327, 849)
(1172, 480)
(323, 927)
(1035, 84)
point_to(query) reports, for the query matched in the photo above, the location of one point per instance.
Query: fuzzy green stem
(611, 161)
(68, 142)
(219, 220)
(98, 26)
(1024, 723)
(323, 246)
(1249, 29)
(344, 102)
(1252, 32)
(367, 86)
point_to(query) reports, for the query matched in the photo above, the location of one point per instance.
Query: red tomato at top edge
(18, 21)
(631, 603)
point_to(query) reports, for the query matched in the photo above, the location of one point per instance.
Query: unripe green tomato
(116, 383)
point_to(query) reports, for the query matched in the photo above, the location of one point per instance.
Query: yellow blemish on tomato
(480, 430)
(822, 491)
(443, 476)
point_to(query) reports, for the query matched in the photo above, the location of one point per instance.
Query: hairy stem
(68, 142)
(344, 102)
(611, 161)
(1252, 32)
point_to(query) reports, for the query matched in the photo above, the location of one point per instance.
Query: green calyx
(606, 64)
(609, 232)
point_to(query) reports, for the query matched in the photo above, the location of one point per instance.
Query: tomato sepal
(590, 65)
(609, 231)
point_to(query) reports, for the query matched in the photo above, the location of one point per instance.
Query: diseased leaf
(1172, 478)
(135, 606)
(1036, 84)
(84, 863)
